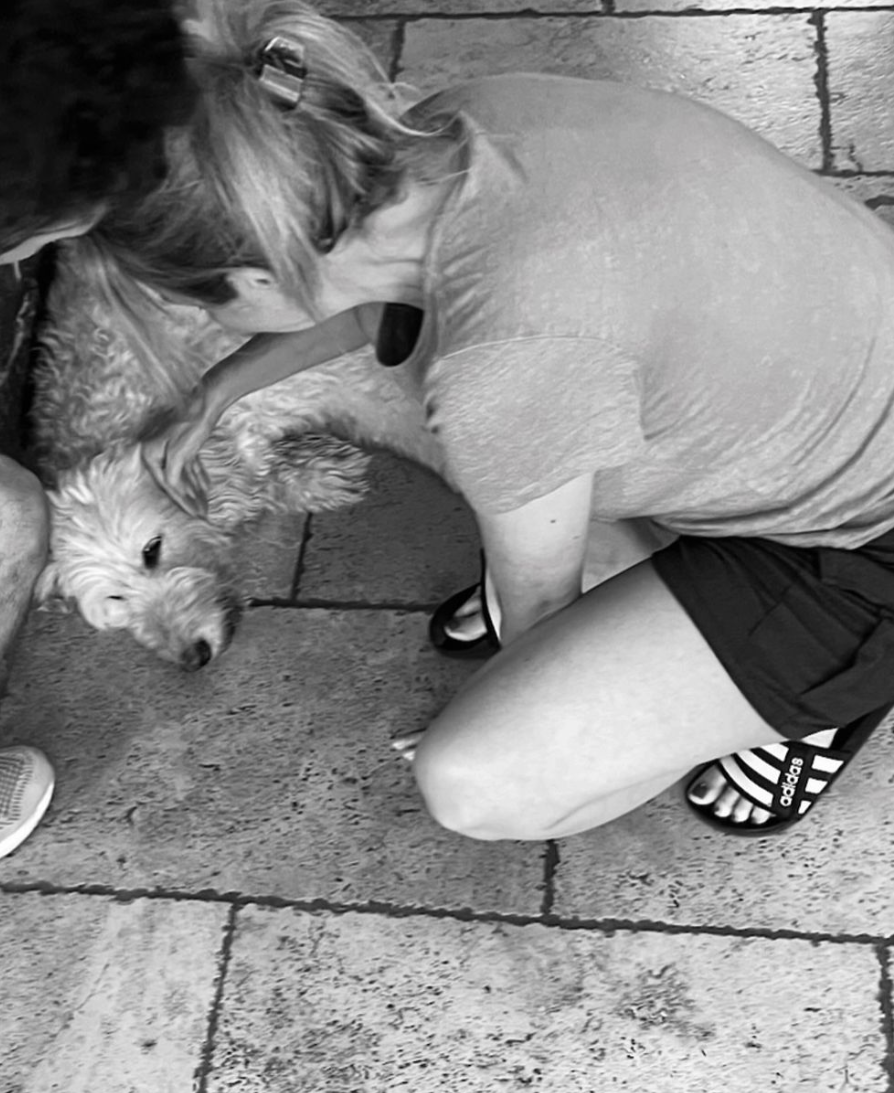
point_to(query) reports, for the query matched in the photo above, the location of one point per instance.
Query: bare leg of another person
(26, 776)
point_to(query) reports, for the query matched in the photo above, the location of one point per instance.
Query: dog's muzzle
(201, 652)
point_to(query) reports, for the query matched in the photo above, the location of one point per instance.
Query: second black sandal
(481, 647)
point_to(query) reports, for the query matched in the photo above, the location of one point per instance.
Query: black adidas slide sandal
(784, 779)
(484, 646)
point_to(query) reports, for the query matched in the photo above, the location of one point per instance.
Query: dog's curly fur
(120, 548)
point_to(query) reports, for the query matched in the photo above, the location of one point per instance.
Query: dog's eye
(114, 597)
(152, 552)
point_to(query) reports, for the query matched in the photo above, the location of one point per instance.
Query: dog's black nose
(196, 656)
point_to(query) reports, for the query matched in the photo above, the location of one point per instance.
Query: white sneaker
(26, 786)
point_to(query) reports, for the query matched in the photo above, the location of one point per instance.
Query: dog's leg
(317, 473)
(288, 473)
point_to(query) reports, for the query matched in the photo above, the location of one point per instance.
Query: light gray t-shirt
(628, 283)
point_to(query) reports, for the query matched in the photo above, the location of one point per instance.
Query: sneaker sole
(16, 839)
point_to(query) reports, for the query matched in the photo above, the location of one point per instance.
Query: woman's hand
(171, 455)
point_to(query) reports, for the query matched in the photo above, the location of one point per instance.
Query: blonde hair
(253, 184)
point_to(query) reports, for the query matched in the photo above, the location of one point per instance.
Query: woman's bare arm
(171, 454)
(535, 556)
(268, 358)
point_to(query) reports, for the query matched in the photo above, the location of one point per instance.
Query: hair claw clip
(281, 70)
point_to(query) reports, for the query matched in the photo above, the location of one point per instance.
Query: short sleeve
(517, 419)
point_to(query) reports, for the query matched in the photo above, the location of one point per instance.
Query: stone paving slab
(243, 779)
(353, 8)
(832, 874)
(761, 76)
(267, 774)
(861, 89)
(690, 7)
(351, 1003)
(411, 541)
(102, 996)
(379, 36)
(266, 556)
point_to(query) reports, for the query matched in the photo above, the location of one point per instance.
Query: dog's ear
(47, 593)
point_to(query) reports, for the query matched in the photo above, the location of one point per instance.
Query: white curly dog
(121, 550)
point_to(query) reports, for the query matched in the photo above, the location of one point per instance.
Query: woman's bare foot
(713, 788)
(468, 622)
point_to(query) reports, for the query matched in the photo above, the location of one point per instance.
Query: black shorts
(806, 634)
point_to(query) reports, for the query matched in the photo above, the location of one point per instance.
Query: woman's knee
(469, 790)
(453, 791)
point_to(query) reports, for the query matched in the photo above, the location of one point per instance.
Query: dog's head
(131, 559)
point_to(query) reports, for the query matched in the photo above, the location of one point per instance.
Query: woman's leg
(591, 713)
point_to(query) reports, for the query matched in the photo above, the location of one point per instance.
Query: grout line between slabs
(886, 1003)
(205, 1066)
(306, 536)
(459, 914)
(398, 39)
(821, 81)
(311, 603)
(609, 10)
(551, 859)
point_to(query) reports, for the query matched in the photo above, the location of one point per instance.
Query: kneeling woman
(611, 302)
